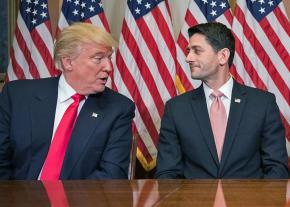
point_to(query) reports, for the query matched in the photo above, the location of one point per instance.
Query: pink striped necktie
(54, 160)
(218, 119)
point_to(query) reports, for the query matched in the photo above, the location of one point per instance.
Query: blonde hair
(71, 39)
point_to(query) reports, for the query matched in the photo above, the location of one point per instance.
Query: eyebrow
(194, 47)
(103, 53)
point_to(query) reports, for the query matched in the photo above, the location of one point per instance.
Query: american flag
(199, 11)
(262, 47)
(145, 69)
(90, 11)
(32, 49)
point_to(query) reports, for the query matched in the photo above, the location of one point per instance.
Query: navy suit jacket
(99, 147)
(254, 145)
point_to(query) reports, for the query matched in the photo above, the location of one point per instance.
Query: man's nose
(107, 64)
(189, 57)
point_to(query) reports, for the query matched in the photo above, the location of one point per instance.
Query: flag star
(93, 1)
(139, 1)
(36, 2)
(75, 12)
(34, 12)
(33, 21)
(261, 2)
(77, 2)
(271, 3)
(262, 10)
(44, 6)
(223, 5)
(213, 3)
(91, 8)
(28, 9)
(83, 4)
(137, 10)
(213, 13)
(68, 0)
(100, 4)
(43, 14)
(147, 5)
(82, 15)
(204, 1)
(253, 1)
(28, 1)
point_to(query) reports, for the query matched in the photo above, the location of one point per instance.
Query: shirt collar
(226, 89)
(65, 91)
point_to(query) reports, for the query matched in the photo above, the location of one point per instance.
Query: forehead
(198, 39)
(95, 48)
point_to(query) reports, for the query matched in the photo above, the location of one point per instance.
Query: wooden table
(182, 193)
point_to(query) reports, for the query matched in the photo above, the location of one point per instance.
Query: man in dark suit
(252, 144)
(31, 111)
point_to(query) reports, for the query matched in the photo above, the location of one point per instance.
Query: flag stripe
(155, 52)
(18, 72)
(283, 20)
(32, 69)
(132, 87)
(263, 56)
(144, 70)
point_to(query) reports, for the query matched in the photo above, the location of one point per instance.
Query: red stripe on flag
(248, 65)
(189, 18)
(276, 42)
(26, 52)
(43, 51)
(133, 89)
(162, 68)
(282, 20)
(263, 56)
(235, 74)
(18, 71)
(183, 43)
(143, 67)
(183, 78)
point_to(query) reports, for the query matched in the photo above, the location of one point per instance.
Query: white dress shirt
(226, 89)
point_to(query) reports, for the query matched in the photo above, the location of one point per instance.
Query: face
(202, 59)
(88, 72)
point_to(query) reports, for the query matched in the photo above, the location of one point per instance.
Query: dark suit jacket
(254, 145)
(99, 147)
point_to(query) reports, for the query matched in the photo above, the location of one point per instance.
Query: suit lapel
(42, 110)
(88, 119)
(238, 102)
(201, 115)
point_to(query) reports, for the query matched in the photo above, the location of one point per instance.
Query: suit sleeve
(5, 142)
(116, 156)
(274, 153)
(169, 159)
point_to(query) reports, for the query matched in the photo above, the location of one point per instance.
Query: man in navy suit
(31, 110)
(254, 141)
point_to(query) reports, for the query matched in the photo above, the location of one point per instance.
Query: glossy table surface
(146, 193)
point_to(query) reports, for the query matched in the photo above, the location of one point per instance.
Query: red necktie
(53, 163)
(56, 193)
(218, 119)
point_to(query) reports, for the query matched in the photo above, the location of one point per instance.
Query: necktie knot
(217, 94)
(77, 97)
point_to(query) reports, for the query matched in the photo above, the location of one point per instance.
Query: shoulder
(29, 86)
(255, 93)
(181, 99)
(116, 99)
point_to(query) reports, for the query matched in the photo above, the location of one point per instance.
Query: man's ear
(66, 62)
(223, 56)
